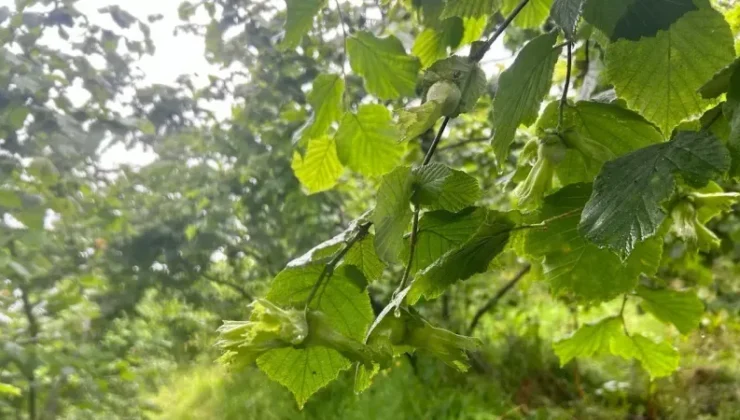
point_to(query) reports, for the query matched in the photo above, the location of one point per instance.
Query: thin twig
(329, 268)
(242, 291)
(487, 46)
(495, 299)
(564, 98)
(437, 139)
(621, 315)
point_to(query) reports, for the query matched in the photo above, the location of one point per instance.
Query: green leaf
(588, 340)
(658, 359)
(438, 187)
(565, 13)
(392, 213)
(659, 77)
(469, 8)
(320, 168)
(625, 207)
(415, 121)
(299, 20)
(16, 116)
(303, 371)
(388, 71)
(627, 19)
(573, 265)
(533, 14)
(474, 28)
(368, 141)
(7, 389)
(363, 256)
(522, 87)
(432, 43)
(342, 298)
(326, 100)
(617, 129)
(441, 232)
(682, 309)
(472, 257)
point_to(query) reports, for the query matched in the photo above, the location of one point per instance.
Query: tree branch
(481, 52)
(242, 291)
(494, 300)
(564, 98)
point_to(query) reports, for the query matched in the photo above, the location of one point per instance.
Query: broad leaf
(432, 43)
(438, 187)
(367, 141)
(658, 359)
(588, 340)
(571, 264)
(320, 168)
(472, 257)
(392, 213)
(625, 207)
(659, 76)
(469, 8)
(522, 87)
(682, 309)
(633, 19)
(326, 101)
(388, 71)
(417, 120)
(299, 20)
(303, 371)
(565, 13)
(363, 256)
(441, 232)
(533, 14)
(720, 82)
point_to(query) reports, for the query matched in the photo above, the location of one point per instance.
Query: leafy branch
(493, 301)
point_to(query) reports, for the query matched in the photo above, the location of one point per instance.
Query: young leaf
(299, 20)
(432, 43)
(521, 90)
(588, 340)
(658, 359)
(682, 309)
(392, 213)
(438, 187)
(367, 142)
(533, 14)
(303, 371)
(363, 256)
(573, 265)
(326, 100)
(470, 258)
(416, 120)
(388, 71)
(685, 56)
(469, 8)
(441, 232)
(627, 19)
(320, 168)
(565, 13)
(625, 207)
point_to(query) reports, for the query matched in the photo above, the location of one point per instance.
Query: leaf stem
(495, 299)
(331, 265)
(479, 53)
(412, 248)
(564, 98)
(621, 315)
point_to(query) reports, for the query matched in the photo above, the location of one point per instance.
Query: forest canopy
(370, 209)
